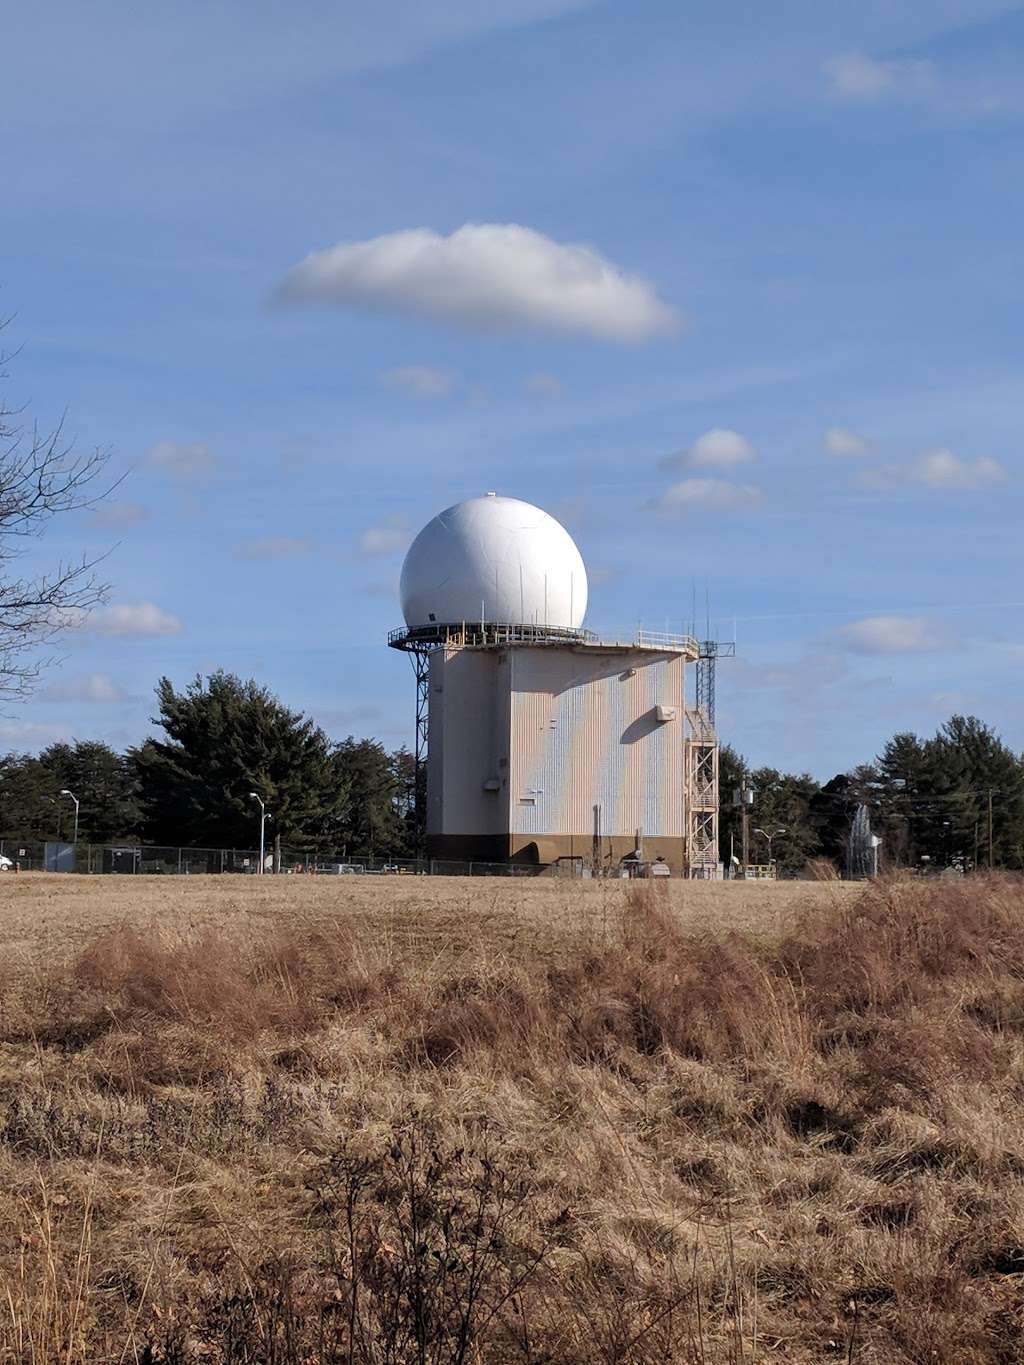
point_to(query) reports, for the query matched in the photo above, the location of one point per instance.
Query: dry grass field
(412, 1120)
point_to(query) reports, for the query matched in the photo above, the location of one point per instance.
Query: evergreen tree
(104, 783)
(782, 802)
(970, 763)
(904, 792)
(731, 769)
(31, 808)
(376, 824)
(832, 808)
(226, 739)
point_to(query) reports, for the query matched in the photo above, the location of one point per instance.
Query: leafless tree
(41, 477)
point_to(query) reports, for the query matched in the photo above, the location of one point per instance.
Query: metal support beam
(421, 667)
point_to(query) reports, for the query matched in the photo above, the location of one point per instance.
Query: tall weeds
(666, 1144)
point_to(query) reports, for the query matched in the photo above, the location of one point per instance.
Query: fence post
(179, 862)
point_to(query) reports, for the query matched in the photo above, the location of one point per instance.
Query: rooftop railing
(490, 634)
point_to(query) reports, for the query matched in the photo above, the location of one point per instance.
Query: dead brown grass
(582, 1125)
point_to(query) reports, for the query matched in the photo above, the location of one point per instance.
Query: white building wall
(585, 733)
(560, 730)
(468, 739)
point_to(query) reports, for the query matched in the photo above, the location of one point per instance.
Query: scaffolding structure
(701, 764)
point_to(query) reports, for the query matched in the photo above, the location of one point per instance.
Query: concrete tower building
(538, 740)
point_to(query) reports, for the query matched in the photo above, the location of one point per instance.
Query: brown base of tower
(542, 849)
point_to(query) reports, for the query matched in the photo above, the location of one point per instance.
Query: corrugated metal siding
(583, 733)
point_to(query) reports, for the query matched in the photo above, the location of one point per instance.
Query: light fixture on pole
(263, 827)
(71, 796)
(769, 837)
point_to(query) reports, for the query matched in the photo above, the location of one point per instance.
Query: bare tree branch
(41, 477)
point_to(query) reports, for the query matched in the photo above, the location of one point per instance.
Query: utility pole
(744, 798)
(990, 829)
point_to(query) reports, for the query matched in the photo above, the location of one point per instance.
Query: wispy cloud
(391, 536)
(893, 635)
(182, 460)
(496, 277)
(420, 381)
(714, 495)
(939, 469)
(858, 76)
(141, 620)
(719, 448)
(273, 548)
(844, 442)
(544, 384)
(118, 516)
(86, 687)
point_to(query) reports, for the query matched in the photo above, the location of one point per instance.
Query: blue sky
(732, 289)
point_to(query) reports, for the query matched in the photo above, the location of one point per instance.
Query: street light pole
(769, 837)
(73, 797)
(263, 826)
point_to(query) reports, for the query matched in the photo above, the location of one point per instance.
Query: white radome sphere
(496, 559)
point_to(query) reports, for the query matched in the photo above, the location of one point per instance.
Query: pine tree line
(934, 802)
(222, 740)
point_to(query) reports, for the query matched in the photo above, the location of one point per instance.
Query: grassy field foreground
(475, 1121)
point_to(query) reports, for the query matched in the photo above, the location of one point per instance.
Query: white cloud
(486, 277)
(943, 469)
(544, 384)
(940, 469)
(273, 548)
(181, 460)
(27, 735)
(708, 494)
(140, 621)
(388, 538)
(420, 381)
(893, 635)
(118, 515)
(719, 448)
(856, 76)
(842, 441)
(88, 687)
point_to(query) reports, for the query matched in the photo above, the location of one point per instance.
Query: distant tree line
(222, 739)
(929, 800)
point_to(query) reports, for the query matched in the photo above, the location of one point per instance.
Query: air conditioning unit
(666, 713)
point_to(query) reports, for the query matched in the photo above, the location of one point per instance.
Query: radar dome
(498, 560)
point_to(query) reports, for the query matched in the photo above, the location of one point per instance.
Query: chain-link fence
(130, 859)
(25, 855)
